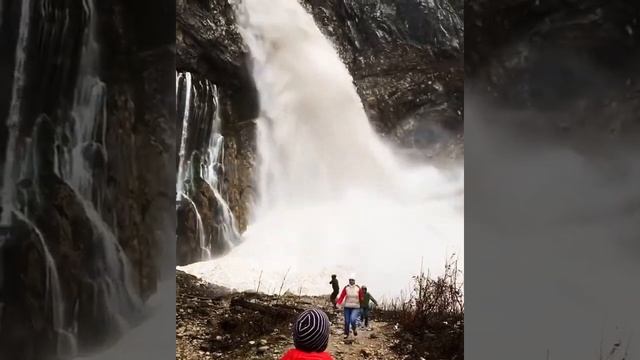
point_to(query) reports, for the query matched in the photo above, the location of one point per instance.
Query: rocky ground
(216, 323)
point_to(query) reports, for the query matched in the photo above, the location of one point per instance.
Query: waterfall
(87, 131)
(332, 196)
(87, 128)
(201, 133)
(66, 341)
(227, 228)
(13, 120)
(74, 149)
(186, 77)
(204, 247)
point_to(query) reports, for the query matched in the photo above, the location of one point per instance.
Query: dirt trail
(369, 344)
(212, 323)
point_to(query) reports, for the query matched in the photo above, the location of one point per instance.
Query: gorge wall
(405, 58)
(130, 167)
(578, 58)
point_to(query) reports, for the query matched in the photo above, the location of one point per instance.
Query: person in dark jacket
(365, 307)
(336, 288)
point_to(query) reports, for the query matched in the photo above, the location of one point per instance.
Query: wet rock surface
(189, 251)
(131, 169)
(577, 58)
(405, 58)
(206, 164)
(209, 46)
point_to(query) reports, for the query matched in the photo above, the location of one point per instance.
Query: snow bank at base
(384, 243)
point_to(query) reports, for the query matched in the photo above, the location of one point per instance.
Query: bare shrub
(431, 317)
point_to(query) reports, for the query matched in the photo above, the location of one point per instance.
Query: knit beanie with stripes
(311, 331)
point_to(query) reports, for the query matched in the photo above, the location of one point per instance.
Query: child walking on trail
(351, 295)
(310, 336)
(365, 307)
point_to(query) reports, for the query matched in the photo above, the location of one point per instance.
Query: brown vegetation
(431, 318)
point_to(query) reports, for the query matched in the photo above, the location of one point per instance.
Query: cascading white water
(214, 168)
(212, 171)
(79, 159)
(87, 140)
(204, 249)
(333, 198)
(66, 341)
(227, 228)
(114, 279)
(185, 130)
(13, 119)
(200, 116)
(22, 162)
(87, 129)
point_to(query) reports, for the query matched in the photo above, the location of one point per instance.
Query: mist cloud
(552, 223)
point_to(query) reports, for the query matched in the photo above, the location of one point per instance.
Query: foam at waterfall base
(383, 241)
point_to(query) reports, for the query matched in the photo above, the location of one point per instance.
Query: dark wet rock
(60, 217)
(25, 313)
(207, 107)
(188, 248)
(571, 57)
(209, 45)
(206, 201)
(142, 137)
(405, 57)
(132, 168)
(95, 155)
(239, 177)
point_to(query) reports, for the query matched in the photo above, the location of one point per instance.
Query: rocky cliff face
(577, 57)
(130, 168)
(405, 58)
(209, 46)
(406, 61)
(142, 130)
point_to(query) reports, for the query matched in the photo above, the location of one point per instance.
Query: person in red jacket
(351, 295)
(310, 336)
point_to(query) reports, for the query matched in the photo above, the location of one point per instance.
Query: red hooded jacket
(343, 295)
(295, 354)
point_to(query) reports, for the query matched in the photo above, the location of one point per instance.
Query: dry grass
(431, 317)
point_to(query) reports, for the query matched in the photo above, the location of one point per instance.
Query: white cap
(352, 276)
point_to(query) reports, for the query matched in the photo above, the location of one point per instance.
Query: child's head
(311, 331)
